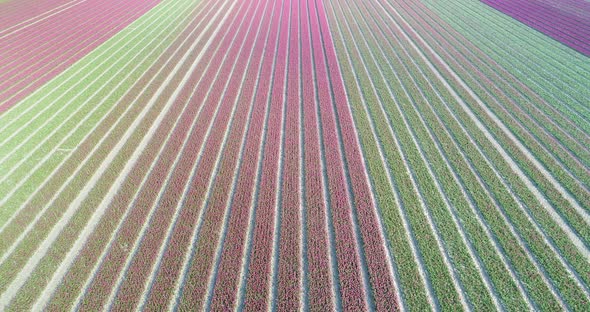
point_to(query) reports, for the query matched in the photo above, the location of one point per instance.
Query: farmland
(294, 155)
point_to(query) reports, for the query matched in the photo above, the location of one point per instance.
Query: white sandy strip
(39, 215)
(73, 207)
(413, 245)
(505, 219)
(39, 18)
(303, 286)
(376, 214)
(122, 275)
(272, 281)
(47, 137)
(551, 210)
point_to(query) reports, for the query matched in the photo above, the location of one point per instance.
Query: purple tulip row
(558, 24)
(33, 52)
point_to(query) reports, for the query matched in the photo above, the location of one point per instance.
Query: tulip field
(294, 155)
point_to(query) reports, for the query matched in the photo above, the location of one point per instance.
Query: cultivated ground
(294, 155)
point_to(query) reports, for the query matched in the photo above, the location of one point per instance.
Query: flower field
(294, 155)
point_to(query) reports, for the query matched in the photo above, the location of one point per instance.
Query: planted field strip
(291, 155)
(556, 22)
(557, 74)
(39, 50)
